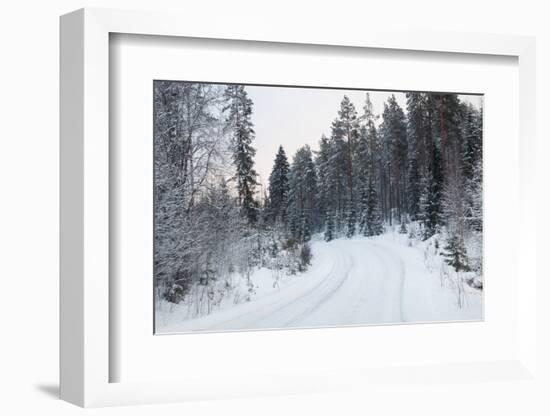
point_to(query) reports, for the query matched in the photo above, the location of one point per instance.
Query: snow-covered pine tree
(336, 175)
(302, 194)
(325, 191)
(472, 160)
(430, 210)
(305, 227)
(374, 225)
(348, 125)
(311, 190)
(431, 181)
(239, 108)
(474, 218)
(346, 130)
(455, 206)
(329, 226)
(363, 211)
(416, 157)
(394, 134)
(368, 156)
(455, 253)
(351, 219)
(448, 127)
(364, 173)
(279, 187)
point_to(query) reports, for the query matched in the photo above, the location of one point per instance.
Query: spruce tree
(279, 187)
(305, 227)
(329, 226)
(455, 253)
(325, 191)
(351, 219)
(239, 108)
(472, 170)
(416, 150)
(373, 221)
(302, 204)
(362, 160)
(368, 161)
(345, 132)
(394, 133)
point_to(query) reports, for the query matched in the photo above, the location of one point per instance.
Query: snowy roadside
(364, 280)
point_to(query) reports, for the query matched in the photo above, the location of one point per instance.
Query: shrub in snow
(455, 253)
(305, 257)
(175, 294)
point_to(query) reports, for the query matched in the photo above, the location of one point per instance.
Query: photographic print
(280, 207)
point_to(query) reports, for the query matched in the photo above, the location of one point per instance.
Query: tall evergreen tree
(432, 177)
(346, 132)
(472, 170)
(279, 187)
(394, 133)
(239, 108)
(325, 190)
(374, 224)
(351, 219)
(416, 150)
(302, 206)
(368, 155)
(336, 177)
(329, 227)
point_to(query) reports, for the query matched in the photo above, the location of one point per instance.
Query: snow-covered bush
(305, 257)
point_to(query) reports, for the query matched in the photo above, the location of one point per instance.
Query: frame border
(84, 198)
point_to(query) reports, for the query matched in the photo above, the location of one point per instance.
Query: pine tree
(302, 205)
(347, 127)
(416, 150)
(368, 151)
(239, 121)
(351, 219)
(373, 221)
(279, 187)
(394, 133)
(430, 209)
(329, 228)
(305, 227)
(363, 209)
(336, 176)
(362, 160)
(432, 177)
(455, 253)
(345, 133)
(325, 192)
(474, 216)
(472, 170)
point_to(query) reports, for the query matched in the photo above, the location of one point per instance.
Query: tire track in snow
(325, 298)
(402, 274)
(260, 310)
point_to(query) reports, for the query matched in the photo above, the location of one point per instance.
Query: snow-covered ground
(380, 280)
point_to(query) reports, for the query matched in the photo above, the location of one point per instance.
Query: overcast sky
(293, 117)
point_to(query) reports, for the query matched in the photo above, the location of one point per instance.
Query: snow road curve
(351, 282)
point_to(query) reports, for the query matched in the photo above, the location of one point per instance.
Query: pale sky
(293, 117)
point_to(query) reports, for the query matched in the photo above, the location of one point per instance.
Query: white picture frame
(85, 265)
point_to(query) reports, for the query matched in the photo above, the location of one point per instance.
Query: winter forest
(378, 219)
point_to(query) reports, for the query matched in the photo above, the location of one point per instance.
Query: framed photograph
(374, 217)
(251, 215)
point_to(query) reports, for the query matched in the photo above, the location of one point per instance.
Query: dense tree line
(418, 168)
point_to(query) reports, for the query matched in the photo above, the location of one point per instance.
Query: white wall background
(29, 203)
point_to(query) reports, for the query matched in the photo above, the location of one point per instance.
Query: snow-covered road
(351, 282)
